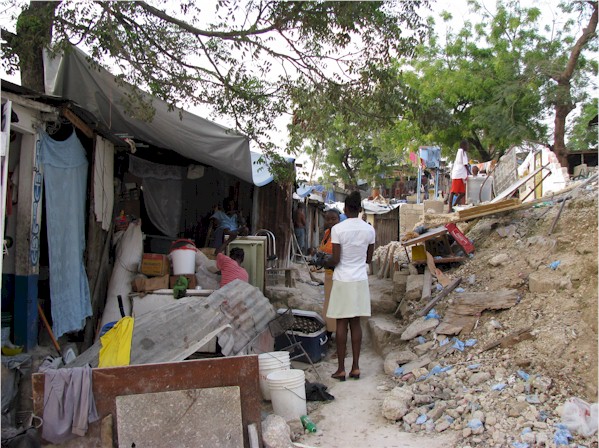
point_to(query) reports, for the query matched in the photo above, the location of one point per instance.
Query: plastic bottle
(308, 424)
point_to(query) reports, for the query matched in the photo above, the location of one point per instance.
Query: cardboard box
(191, 278)
(141, 284)
(154, 265)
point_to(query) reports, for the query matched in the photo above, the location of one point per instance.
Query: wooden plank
(487, 207)
(431, 233)
(429, 306)
(441, 277)
(511, 339)
(383, 267)
(462, 315)
(442, 260)
(426, 287)
(109, 383)
(77, 122)
(390, 260)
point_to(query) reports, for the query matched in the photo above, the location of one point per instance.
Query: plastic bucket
(288, 393)
(184, 257)
(268, 363)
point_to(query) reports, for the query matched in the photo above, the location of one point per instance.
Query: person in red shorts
(459, 174)
(230, 267)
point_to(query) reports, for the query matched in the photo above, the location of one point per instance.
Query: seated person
(228, 222)
(230, 267)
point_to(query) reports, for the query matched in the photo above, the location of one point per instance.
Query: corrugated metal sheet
(386, 227)
(273, 212)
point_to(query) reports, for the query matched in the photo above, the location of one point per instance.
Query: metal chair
(283, 325)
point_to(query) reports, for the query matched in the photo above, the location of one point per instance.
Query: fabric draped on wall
(162, 189)
(65, 180)
(104, 182)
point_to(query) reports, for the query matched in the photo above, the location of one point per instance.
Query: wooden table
(434, 233)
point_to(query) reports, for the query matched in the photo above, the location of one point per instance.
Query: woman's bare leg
(356, 342)
(341, 339)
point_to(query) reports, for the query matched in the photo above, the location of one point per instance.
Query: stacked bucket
(283, 386)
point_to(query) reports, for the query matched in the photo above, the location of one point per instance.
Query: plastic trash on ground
(421, 419)
(562, 435)
(475, 423)
(554, 265)
(580, 417)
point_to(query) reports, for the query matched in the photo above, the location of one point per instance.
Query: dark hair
(465, 145)
(333, 210)
(353, 203)
(237, 253)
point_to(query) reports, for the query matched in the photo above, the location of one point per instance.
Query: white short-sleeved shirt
(354, 236)
(458, 170)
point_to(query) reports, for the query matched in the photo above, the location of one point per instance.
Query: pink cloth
(230, 270)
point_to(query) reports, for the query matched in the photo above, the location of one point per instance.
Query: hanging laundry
(69, 404)
(65, 182)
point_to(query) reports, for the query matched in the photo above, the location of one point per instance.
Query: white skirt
(349, 299)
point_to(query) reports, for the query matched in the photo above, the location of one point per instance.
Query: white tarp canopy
(95, 89)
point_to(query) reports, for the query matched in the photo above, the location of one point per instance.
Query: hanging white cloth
(103, 181)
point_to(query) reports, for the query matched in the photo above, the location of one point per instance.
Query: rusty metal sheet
(387, 227)
(275, 202)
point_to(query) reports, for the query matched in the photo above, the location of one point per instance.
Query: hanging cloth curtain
(162, 187)
(65, 181)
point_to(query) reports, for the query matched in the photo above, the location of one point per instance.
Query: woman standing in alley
(353, 245)
(331, 217)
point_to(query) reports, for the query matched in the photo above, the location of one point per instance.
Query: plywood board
(192, 418)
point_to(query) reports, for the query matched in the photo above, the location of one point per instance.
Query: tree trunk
(34, 33)
(482, 152)
(564, 104)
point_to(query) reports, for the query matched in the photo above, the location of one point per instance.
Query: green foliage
(244, 59)
(583, 135)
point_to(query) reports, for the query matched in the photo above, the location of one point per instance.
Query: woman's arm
(369, 253)
(335, 257)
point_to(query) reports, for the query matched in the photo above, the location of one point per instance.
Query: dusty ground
(563, 321)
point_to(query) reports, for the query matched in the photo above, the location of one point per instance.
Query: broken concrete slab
(397, 357)
(414, 287)
(397, 403)
(385, 333)
(416, 364)
(421, 349)
(418, 327)
(185, 418)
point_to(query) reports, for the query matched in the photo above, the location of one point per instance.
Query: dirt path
(354, 418)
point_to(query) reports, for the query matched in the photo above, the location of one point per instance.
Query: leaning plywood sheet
(464, 312)
(184, 418)
(175, 331)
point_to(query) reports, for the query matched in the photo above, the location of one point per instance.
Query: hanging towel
(65, 180)
(116, 344)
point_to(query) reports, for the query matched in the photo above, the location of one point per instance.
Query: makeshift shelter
(176, 162)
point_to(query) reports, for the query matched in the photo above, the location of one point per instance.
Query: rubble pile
(502, 376)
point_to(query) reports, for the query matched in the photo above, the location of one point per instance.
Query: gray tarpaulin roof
(95, 89)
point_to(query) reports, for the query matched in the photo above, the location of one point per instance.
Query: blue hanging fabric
(65, 180)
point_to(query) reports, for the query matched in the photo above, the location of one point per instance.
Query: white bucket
(184, 258)
(288, 393)
(268, 363)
